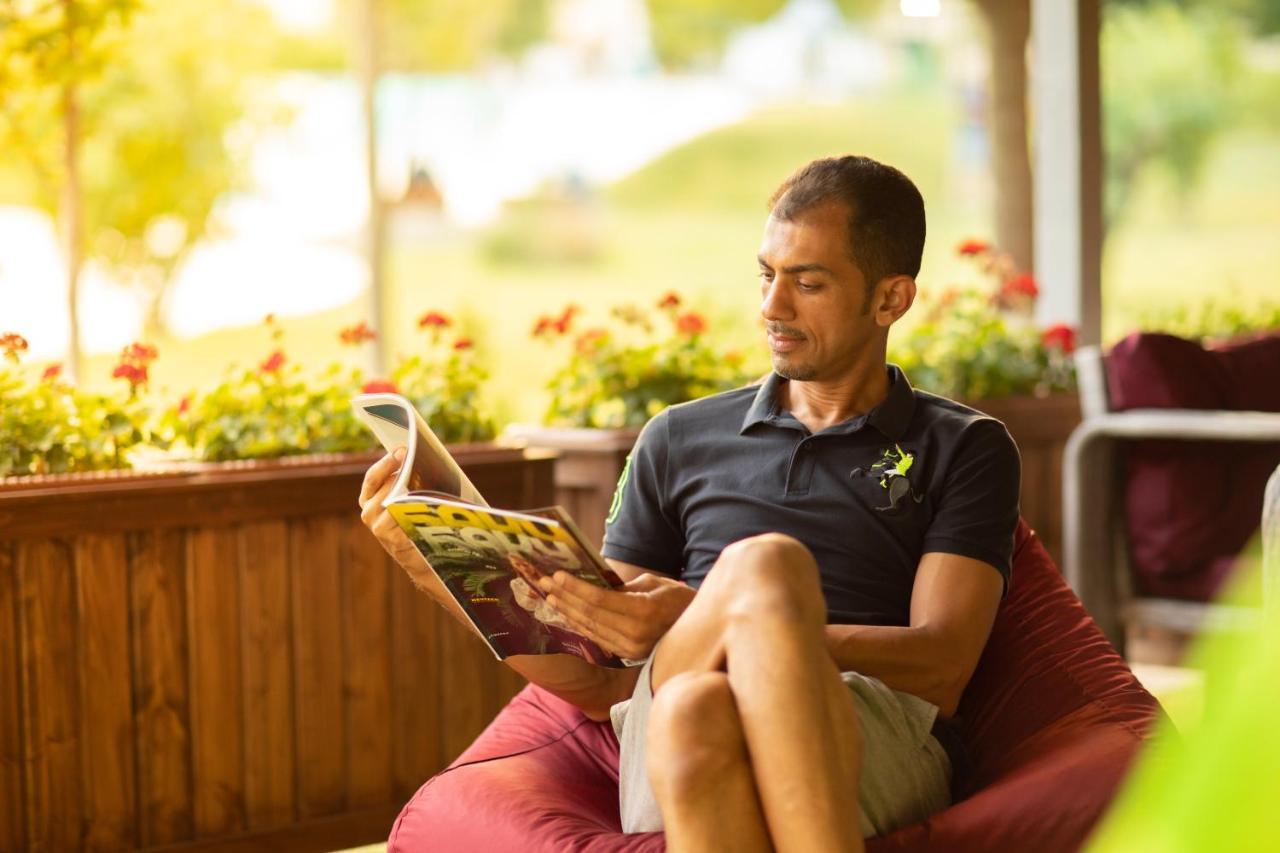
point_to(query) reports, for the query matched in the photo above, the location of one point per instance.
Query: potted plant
(613, 379)
(979, 343)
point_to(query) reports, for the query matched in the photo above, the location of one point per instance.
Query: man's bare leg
(759, 618)
(699, 768)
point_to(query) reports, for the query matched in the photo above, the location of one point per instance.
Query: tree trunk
(71, 214)
(1009, 26)
(375, 235)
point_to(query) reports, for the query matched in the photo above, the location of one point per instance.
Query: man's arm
(953, 605)
(591, 688)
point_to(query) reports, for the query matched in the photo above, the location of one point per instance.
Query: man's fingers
(605, 635)
(379, 473)
(584, 613)
(371, 507)
(634, 605)
(646, 582)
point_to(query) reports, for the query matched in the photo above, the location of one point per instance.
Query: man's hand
(627, 621)
(378, 481)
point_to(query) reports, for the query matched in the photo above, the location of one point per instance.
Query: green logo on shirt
(617, 493)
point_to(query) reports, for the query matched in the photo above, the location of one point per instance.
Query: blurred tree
(125, 114)
(423, 35)
(48, 53)
(1167, 91)
(1261, 17)
(692, 33)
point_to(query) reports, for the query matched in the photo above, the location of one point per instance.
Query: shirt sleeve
(641, 528)
(977, 513)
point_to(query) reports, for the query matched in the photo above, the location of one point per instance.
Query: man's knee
(695, 734)
(771, 573)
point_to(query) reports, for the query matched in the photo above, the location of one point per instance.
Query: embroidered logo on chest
(891, 471)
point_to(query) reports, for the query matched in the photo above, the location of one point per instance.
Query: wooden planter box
(590, 461)
(227, 659)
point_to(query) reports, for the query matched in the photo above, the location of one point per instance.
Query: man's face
(813, 295)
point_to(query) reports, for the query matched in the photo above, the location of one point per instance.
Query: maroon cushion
(1192, 506)
(1053, 717)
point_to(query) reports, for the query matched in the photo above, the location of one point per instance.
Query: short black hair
(886, 211)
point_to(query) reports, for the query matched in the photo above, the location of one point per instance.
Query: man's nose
(776, 304)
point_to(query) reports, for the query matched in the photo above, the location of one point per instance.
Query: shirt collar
(891, 417)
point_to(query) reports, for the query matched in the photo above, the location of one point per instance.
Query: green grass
(691, 221)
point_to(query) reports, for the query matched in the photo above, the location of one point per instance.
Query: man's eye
(807, 286)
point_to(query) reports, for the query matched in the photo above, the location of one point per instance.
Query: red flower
(434, 320)
(13, 343)
(544, 325)
(463, 343)
(273, 363)
(51, 372)
(380, 386)
(1022, 284)
(561, 324)
(691, 324)
(184, 405)
(134, 374)
(269, 320)
(973, 247)
(357, 334)
(1060, 336)
(138, 353)
(671, 300)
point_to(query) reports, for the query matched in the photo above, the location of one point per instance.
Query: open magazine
(488, 559)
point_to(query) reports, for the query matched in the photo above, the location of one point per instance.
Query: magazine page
(427, 464)
(490, 561)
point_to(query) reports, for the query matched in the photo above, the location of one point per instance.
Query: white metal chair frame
(1095, 554)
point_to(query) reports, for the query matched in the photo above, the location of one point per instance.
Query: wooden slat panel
(266, 648)
(12, 795)
(316, 554)
(52, 727)
(160, 686)
(467, 667)
(217, 722)
(110, 783)
(366, 610)
(416, 684)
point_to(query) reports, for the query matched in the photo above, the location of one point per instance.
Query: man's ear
(893, 297)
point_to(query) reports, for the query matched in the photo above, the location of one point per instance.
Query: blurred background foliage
(172, 99)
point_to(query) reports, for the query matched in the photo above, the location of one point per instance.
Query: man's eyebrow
(796, 269)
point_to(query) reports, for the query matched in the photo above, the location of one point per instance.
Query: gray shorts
(906, 776)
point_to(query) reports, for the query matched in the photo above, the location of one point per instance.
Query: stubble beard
(794, 372)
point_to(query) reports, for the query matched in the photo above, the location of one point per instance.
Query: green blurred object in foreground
(1216, 787)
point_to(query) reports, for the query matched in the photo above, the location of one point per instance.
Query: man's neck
(820, 404)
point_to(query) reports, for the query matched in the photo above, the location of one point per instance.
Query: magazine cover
(490, 560)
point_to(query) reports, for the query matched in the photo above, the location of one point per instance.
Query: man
(849, 539)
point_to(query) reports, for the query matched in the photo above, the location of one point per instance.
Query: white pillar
(1067, 164)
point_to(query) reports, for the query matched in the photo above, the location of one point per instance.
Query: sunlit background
(530, 153)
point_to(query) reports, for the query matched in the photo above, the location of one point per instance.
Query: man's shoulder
(950, 414)
(728, 408)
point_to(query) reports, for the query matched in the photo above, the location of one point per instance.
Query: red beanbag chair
(1052, 718)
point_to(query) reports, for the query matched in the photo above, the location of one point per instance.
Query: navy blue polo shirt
(707, 473)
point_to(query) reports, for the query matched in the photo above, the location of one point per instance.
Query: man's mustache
(783, 331)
